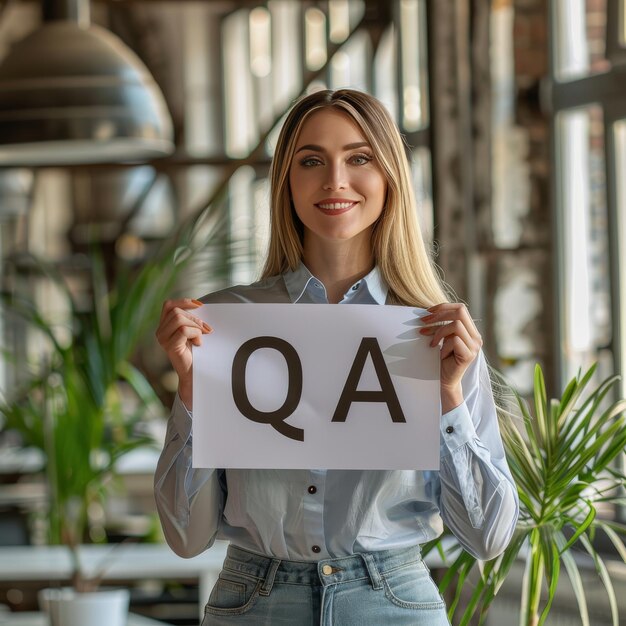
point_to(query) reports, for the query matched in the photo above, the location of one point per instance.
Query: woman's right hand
(178, 330)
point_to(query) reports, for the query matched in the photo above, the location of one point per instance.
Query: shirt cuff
(457, 429)
(181, 418)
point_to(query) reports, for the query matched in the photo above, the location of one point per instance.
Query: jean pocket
(411, 587)
(233, 594)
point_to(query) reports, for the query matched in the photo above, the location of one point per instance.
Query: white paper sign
(305, 386)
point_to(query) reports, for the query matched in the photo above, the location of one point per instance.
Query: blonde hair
(397, 244)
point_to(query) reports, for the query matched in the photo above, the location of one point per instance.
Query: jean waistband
(325, 572)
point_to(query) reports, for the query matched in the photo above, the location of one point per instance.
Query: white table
(39, 619)
(121, 562)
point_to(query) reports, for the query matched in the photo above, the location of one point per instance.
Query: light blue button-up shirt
(315, 514)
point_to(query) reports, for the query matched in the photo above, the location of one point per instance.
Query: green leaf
(577, 585)
(541, 411)
(461, 562)
(580, 530)
(553, 580)
(604, 576)
(615, 539)
(462, 575)
(138, 383)
(572, 394)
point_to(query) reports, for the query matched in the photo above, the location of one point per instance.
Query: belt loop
(268, 583)
(377, 582)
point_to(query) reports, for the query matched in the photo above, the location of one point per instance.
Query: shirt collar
(299, 279)
(376, 286)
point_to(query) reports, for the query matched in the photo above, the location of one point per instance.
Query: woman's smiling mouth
(335, 207)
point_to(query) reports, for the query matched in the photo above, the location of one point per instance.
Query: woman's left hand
(461, 345)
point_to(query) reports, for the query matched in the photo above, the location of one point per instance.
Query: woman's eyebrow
(316, 148)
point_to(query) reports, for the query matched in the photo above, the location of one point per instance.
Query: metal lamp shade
(71, 95)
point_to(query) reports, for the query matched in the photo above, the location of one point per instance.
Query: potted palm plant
(82, 405)
(563, 460)
(84, 400)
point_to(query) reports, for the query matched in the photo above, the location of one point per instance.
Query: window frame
(608, 90)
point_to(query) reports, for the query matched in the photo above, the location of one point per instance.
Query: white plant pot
(67, 607)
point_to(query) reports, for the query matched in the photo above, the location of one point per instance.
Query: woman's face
(337, 187)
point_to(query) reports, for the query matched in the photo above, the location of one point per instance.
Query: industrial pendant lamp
(74, 93)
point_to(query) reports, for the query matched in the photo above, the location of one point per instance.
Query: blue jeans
(390, 587)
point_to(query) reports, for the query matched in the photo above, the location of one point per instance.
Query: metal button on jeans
(327, 570)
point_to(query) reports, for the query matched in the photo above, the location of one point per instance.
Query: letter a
(387, 393)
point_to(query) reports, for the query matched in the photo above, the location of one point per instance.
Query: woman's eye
(309, 161)
(361, 159)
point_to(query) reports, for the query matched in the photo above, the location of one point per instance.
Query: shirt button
(355, 287)
(327, 570)
(312, 489)
(450, 430)
(316, 549)
(317, 285)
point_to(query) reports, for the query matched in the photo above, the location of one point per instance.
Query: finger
(182, 314)
(181, 338)
(182, 303)
(455, 328)
(447, 311)
(450, 311)
(180, 319)
(443, 306)
(170, 334)
(178, 335)
(455, 346)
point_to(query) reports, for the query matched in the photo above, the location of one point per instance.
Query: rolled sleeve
(478, 499)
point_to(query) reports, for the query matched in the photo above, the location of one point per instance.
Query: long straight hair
(397, 244)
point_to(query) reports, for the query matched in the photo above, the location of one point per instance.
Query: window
(580, 42)
(582, 231)
(589, 154)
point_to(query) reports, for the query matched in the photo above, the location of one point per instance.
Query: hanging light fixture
(74, 93)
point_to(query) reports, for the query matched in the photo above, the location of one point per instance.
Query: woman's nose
(335, 177)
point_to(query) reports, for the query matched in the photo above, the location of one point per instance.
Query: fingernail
(197, 302)
(207, 327)
(425, 318)
(424, 331)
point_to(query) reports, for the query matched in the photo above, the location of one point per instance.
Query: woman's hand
(461, 345)
(178, 330)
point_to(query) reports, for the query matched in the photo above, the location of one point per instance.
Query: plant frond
(577, 585)
(553, 579)
(604, 576)
(581, 528)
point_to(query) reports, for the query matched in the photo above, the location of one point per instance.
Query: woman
(340, 547)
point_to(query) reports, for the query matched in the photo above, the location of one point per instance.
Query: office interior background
(514, 115)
